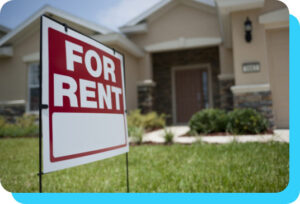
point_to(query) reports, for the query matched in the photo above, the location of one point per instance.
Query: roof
(208, 4)
(101, 33)
(122, 41)
(4, 29)
(58, 14)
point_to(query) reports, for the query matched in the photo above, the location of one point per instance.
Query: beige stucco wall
(14, 72)
(180, 21)
(256, 50)
(131, 77)
(131, 74)
(145, 67)
(249, 52)
(226, 60)
(278, 56)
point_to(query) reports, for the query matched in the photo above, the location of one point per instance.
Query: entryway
(190, 91)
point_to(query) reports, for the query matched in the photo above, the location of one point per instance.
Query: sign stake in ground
(83, 107)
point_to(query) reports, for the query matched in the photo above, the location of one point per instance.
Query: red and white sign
(83, 86)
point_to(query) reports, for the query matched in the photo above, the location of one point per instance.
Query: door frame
(173, 85)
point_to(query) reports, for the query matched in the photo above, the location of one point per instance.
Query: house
(181, 56)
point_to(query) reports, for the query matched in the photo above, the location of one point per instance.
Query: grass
(249, 167)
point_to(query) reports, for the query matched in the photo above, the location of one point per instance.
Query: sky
(108, 13)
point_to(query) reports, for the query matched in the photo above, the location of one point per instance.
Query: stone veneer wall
(260, 101)
(163, 62)
(11, 111)
(145, 97)
(226, 95)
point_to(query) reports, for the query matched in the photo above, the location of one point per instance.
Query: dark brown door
(191, 88)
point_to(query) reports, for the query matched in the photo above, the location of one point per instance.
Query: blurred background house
(181, 56)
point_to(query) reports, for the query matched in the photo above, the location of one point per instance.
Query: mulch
(268, 132)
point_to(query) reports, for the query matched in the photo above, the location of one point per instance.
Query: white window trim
(173, 81)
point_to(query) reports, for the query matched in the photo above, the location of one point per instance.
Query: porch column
(226, 78)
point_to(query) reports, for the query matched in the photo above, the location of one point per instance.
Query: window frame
(31, 86)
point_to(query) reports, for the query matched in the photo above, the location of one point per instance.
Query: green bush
(149, 121)
(208, 121)
(136, 133)
(24, 126)
(246, 121)
(169, 136)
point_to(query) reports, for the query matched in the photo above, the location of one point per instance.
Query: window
(205, 88)
(34, 87)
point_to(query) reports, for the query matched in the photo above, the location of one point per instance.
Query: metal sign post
(127, 173)
(40, 113)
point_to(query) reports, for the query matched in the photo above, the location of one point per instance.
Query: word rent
(66, 86)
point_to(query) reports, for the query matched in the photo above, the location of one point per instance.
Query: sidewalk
(158, 137)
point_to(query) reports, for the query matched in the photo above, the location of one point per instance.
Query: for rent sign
(83, 86)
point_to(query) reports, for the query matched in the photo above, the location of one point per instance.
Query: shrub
(24, 126)
(246, 121)
(136, 133)
(208, 121)
(2, 124)
(169, 136)
(149, 121)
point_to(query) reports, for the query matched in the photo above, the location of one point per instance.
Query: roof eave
(225, 7)
(147, 13)
(50, 10)
(120, 40)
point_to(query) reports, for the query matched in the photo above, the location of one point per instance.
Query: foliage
(136, 133)
(236, 167)
(246, 121)
(208, 121)
(25, 125)
(149, 121)
(238, 121)
(169, 136)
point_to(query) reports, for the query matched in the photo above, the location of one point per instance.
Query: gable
(34, 21)
(179, 21)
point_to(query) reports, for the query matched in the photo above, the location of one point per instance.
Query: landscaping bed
(268, 132)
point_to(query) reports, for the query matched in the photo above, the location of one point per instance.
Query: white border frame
(188, 67)
(49, 166)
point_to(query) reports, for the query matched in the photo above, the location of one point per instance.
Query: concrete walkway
(158, 137)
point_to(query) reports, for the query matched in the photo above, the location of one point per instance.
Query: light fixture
(248, 30)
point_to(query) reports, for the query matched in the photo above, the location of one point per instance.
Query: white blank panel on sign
(70, 128)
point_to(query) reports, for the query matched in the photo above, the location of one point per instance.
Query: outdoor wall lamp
(248, 30)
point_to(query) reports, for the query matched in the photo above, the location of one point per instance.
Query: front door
(191, 86)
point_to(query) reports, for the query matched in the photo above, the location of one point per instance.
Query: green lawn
(250, 167)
